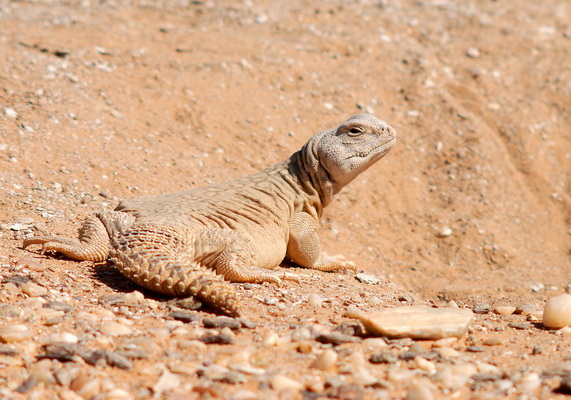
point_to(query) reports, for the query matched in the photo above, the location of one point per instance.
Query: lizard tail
(156, 258)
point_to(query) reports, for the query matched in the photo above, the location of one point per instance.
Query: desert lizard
(192, 243)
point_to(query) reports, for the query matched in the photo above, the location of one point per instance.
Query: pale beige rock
(557, 311)
(325, 361)
(504, 310)
(34, 265)
(281, 382)
(424, 364)
(115, 329)
(33, 289)
(134, 297)
(417, 322)
(528, 383)
(49, 313)
(118, 394)
(15, 333)
(62, 337)
(420, 390)
(314, 299)
(448, 352)
(445, 342)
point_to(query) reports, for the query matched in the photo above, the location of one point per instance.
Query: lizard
(192, 244)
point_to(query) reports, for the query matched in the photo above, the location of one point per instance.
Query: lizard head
(348, 150)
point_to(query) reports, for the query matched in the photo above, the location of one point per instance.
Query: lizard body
(192, 243)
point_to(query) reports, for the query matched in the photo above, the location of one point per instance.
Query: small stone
(367, 278)
(448, 352)
(417, 322)
(557, 312)
(314, 299)
(525, 309)
(420, 390)
(504, 310)
(62, 337)
(364, 378)
(475, 349)
(493, 341)
(118, 394)
(134, 297)
(217, 339)
(473, 52)
(520, 325)
(185, 316)
(528, 383)
(336, 338)
(222, 322)
(425, 365)
(326, 361)
(444, 232)
(481, 308)
(59, 305)
(115, 329)
(32, 264)
(383, 358)
(281, 382)
(10, 113)
(34, 290)
(455, 376)
(15, 333)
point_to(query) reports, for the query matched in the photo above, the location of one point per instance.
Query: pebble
(326, 361)
(367, 278)
(314, 299)
(420, 390)
(425, 365)
(281, 382)
(15, 333)
(455, 376)
(528, 383)
(31, 264)
(417, 322)
(493, 341)
(33, 289)
(62, 337)
(115, 329)
(447, 352)
(473, 52)
(222, 322)
(557, 312)
(383, 358)
(185, 316)
(336, 338)
(504, 310)
(10, 113)
(217, 339)
(482, 308)
(134, 297)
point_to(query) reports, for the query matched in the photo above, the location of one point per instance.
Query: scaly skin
(192, 243)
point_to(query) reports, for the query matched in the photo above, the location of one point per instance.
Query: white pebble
(325, 361)
(473, 52)
(424, 364)
(63, 337)
(314, 299)
(10, 113)
(557, 311)
(33, 289)
(115, 329)
(528, 383)
(15, 333)
(281, 382)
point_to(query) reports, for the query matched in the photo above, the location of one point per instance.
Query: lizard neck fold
(312, 178)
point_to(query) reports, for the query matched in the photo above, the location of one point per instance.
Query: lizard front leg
(304, 247)
(92, 244)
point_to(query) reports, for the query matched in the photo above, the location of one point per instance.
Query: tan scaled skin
(191, 243)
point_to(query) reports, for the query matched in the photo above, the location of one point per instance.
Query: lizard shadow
(109, 275)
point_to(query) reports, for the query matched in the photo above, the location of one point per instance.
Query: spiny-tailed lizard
(192, 243)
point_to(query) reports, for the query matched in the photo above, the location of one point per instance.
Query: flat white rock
(416, 322)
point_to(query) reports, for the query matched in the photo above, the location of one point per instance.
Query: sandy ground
(101, 101)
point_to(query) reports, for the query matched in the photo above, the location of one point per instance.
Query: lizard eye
(354, 132)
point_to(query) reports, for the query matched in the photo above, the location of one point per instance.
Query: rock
(417, 322)
(383, 358)
(281, 382)
(425, 365)
(10, 113)
(34, 290)
(473, 52)
(504, 310)
(222, 322)
(481, 308)
(528, 383)
(314, 299)
(217, 339)
(134, 297)
(557, 312)
(367, 278)
(336, 338)
(34, 265)
(455, 376)
(15, 333)
(185, 316)
(326, 361)
(420, 390)
(115, 329)
(63, 337)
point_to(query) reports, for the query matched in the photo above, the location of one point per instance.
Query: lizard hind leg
(160, 259)
(92, 244)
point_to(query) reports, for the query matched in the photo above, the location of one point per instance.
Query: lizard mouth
(377, 151)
